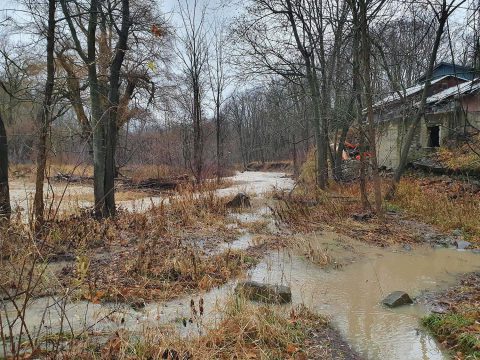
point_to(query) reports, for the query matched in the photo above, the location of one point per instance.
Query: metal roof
(466, 88)
(407, 92)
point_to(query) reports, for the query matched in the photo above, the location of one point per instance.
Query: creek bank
(455, 316)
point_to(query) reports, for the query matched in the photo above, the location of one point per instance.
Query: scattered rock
(438, 240)
(362, 217)
(137, 304)
(255, 291)
(462, 244)
(397, 298)
(407, 247)
(437, 309)
(240, 200)
(476, 251)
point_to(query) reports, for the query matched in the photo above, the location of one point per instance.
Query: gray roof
(466, 88)
(408, 92)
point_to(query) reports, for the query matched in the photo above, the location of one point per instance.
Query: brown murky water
(349, 291)
(351, 295)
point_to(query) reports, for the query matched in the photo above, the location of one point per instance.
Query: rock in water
(239, 201)
(397, 298)
(255, 291)
(462, 244)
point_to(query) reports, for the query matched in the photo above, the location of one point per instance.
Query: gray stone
(397, 298)
(407, 247)
(462, 244)
(362, 217)
(255, 291)
(137, 304)
(476, 251)
(240, 200)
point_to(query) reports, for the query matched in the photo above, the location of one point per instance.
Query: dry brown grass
(247, 331)
(445, 203)
(463, 158)
(158, 254)
(143, 172)
(447, 209)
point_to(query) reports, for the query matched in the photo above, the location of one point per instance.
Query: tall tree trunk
(111, 125)
(197, 133)
(442, 19)
(358, 104)
(218, 139)
(296, 171)
(337, 169)
(98, 115)
(369, 102)
(44, 118)
(5, 209)
(320, 126)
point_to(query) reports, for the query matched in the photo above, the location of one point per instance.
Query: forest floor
(155, 267)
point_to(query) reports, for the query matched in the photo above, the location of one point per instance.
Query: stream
(349, 292)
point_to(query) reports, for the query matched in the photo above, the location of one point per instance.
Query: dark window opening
(434, 136)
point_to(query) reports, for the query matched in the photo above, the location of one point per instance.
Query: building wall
(387, 146)
(471, 104)
(391, 134)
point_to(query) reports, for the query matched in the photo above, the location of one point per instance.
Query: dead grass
(445, 203)
(143, 172)
(464, 158)
(247, 331)
(158, 254)
(285, 165)
(447, 207)
(310, 209)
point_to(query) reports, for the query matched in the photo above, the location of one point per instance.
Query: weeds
(132, 258)
(246, 331)
(437, 206)
(458, 329)
(458, 332)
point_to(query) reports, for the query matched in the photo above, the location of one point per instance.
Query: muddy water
(258, 182)
(351, 296)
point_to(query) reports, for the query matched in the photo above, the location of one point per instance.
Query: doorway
(434, 136)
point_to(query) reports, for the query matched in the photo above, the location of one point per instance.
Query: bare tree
(44, 118)
(104, 85)
(5, 208)
(193, 55)
(218, 83)
(442, 11)
(365, 17)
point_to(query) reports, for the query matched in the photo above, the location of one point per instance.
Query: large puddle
(350, 295)
(73, 195)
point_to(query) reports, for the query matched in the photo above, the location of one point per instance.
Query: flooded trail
(348, 290)
(250, 182)
(349, 296)
(74, 195)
